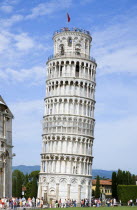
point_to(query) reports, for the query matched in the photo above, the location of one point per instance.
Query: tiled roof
(102, 182)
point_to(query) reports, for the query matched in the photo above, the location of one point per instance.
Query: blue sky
(26, 29)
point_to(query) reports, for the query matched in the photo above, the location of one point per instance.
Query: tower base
(64, 187)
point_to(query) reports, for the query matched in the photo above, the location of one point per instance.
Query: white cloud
(6, 8)
(23, 108)
(114, 46)
(5, 41)
(48, 8)
(19, 48)
(27, 130)
(24, 42)
(8, 22)
(36, 75)
(115, 98)
(115, 144)
(115, 130)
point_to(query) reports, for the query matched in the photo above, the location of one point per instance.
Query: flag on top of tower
(68, 17)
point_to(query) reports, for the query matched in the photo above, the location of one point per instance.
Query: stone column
(81, 145)
(87, 94)
(47, 188)
(79, 195)
(59, 164)
(85, 149)
(87, 164)
(39, 190)
(84, 167)
(83, 108)
(84, 72)
(90, 194)
(76, 146)
(80, 166)
(68, 191)
(87, 191)
(57, 191)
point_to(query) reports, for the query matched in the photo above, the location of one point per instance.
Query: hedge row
(127, 192)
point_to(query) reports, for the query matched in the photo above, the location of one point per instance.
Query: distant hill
(28, 169)
(101, 173)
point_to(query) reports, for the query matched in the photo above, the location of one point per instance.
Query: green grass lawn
(103, 208)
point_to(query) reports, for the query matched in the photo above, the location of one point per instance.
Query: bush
(127, 192)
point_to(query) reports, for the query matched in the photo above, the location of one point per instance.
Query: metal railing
(71, 54)
(64, 29)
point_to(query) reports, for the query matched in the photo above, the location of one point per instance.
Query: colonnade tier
(69, 87)
(68, 125)
(54, 137)
(75, 146)
(77, 68)
(71, 105)
(54, 163)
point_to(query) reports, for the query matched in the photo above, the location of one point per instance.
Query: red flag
(68, 17)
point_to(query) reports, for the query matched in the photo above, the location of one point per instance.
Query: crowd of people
(106, 202)
(13, 203)
(66, 203)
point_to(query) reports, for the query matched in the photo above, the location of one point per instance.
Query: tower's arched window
(77, 69)
(69, 41)
(61, 47)
(86, 44)
(78, 49)
(74, 170)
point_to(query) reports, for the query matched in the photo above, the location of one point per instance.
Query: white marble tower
(68, 122)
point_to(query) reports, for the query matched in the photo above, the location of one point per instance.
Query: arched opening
(61, 67)
(69, 41)
(77, 70)
(78, 49)
(61, 47)
(72, 62)
(86, 44)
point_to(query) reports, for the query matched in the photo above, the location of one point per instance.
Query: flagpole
(67, 20)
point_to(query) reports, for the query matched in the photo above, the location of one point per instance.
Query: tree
(93, 193)
(14, 184)
(34, 188)
(28, 190)
(114, 185)
(119, 177)
(17, 182)
(133, 181)
(26, 179)
(97, 190)
(31, 185)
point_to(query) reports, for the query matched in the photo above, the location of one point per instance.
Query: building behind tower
(5, 150)
(68, 122)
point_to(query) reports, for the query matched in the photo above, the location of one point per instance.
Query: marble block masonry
(68, 122)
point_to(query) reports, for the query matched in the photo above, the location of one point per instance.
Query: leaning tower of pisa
(68, 122)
